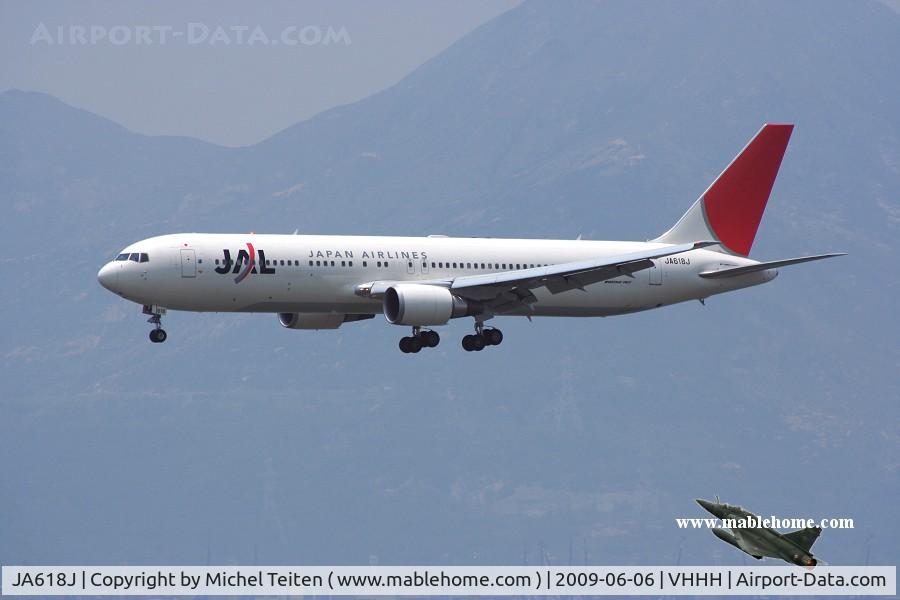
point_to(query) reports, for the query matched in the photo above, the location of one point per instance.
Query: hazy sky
(226, 71)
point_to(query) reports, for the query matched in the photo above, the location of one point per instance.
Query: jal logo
(244, 264)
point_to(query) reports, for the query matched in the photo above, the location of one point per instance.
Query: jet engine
(725, 536)
(804, 561)
(422, 305)
(317, 320)
(310, 320)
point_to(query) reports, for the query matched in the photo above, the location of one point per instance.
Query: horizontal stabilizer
(772, 264)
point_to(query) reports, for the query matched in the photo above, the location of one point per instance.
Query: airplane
(793, 547)
(322, 282)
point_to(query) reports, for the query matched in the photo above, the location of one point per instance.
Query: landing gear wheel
(410, 345)
(492, 336)
(157, 334)
(430, 339)
(478, 343)
(467, 343)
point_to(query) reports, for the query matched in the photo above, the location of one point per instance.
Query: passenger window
(432, 264)
(350, 263)
(468, 265)
(365, 263)
(318, 263)
(454, 265)
(310, 263)
(332, 263)
(385, 264)
(482, 265)
(343, 263)
(379, 263)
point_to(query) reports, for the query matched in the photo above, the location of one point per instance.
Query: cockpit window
(135, 256)
(144, 257)
(122, 256)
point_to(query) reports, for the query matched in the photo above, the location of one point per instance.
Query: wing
(745, 543)
(507, 289)
(804, 538)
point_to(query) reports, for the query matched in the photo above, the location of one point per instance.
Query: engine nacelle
(804, 561)
(726, 536)
(423, 305)
(310, 320)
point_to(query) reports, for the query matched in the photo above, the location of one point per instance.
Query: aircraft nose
(705, 504)
(108, 276)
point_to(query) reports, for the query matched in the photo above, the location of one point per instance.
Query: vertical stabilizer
(731, 209)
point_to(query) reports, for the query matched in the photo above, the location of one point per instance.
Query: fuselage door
(410, 267)
(188, 263)
(656, 273)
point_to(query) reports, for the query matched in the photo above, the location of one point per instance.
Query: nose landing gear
(419, 339)
(157, 335)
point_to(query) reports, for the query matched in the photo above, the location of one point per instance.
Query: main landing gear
(157, 334)
(490, 336)
(419, 339)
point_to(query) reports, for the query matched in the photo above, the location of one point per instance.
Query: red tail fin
(732, 208)
(736, 200)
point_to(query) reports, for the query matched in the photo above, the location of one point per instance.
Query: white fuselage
(321, 274)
